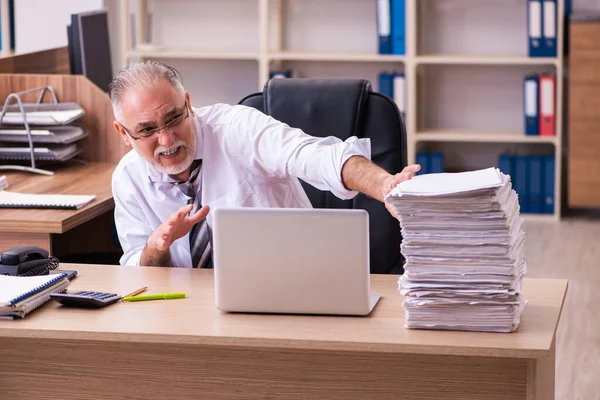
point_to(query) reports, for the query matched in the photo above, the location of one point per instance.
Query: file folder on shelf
(386, 84)
(384, 28)
(399, 92)
(530, 102)
(548, 170)
(430, 162)
(534, 27)
(521, 182)
(436, 163)
(549, 28)
(547, 105)
(398, 20)
(535, 184)
(506, 164)
(423, 160)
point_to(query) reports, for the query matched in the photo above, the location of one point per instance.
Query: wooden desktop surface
(196, 320)
(187, 348)
(91, 178)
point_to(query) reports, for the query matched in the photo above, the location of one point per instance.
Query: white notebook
(16, 289)
(20, 295)
(27, 200)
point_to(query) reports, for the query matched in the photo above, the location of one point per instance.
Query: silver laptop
(299, 261)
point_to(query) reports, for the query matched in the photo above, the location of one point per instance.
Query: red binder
(547, 105)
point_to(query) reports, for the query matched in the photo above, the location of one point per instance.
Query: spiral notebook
(19, 295)
(57, 201)
(14, 289)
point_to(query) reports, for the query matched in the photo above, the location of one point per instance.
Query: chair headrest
(320, 107)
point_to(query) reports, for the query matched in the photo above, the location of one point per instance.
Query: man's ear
(189, 102)
(122, 132)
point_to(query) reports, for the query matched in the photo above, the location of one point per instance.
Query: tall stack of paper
(464, 248)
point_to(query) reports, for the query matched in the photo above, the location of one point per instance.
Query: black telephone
(27, 261)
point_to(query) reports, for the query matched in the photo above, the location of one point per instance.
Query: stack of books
(20, 295)
(464, 248)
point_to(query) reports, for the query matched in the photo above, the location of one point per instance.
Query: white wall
(586, 5)
(114, 33)
(42, 24)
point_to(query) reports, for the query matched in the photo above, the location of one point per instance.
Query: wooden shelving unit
(349, 57)
(191, 54)
(438, 51)
(480, 136)
(484, 60)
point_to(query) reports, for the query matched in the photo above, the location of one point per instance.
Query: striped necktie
(200, 247)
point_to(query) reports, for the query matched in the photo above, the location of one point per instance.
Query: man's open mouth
(170, 152)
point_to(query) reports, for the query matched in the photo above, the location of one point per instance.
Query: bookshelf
(464, 64)
(484, 60)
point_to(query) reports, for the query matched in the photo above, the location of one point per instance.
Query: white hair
(148, 74)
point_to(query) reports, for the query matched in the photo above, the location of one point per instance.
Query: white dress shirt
(248, 160)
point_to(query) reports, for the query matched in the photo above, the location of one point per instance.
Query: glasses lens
(146, 134)
(175, 121)
(172, 123)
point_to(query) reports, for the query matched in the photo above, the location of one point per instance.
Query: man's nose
(166, 137)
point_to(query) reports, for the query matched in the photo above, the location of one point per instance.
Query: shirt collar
(156, 176)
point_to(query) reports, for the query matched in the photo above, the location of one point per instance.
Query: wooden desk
(61, 231)
(183, 349)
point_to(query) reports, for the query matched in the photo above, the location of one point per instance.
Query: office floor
(571, 249)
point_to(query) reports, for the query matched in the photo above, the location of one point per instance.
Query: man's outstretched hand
(393, 181)
(177, 226)
(362, 175)
(156, 252)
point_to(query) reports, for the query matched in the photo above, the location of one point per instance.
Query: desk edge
(291, 344)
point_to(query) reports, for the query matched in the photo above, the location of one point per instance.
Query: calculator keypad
(96, 295)
(87, 299)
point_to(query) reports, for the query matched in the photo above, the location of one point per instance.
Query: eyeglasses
(146, 133)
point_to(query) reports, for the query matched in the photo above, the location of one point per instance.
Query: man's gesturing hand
(177, 226)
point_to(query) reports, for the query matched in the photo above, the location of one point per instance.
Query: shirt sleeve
(132, 228)
(274, 149)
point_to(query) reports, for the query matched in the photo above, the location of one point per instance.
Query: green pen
(163, 296)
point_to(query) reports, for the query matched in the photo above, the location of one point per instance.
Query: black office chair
(345, 108)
